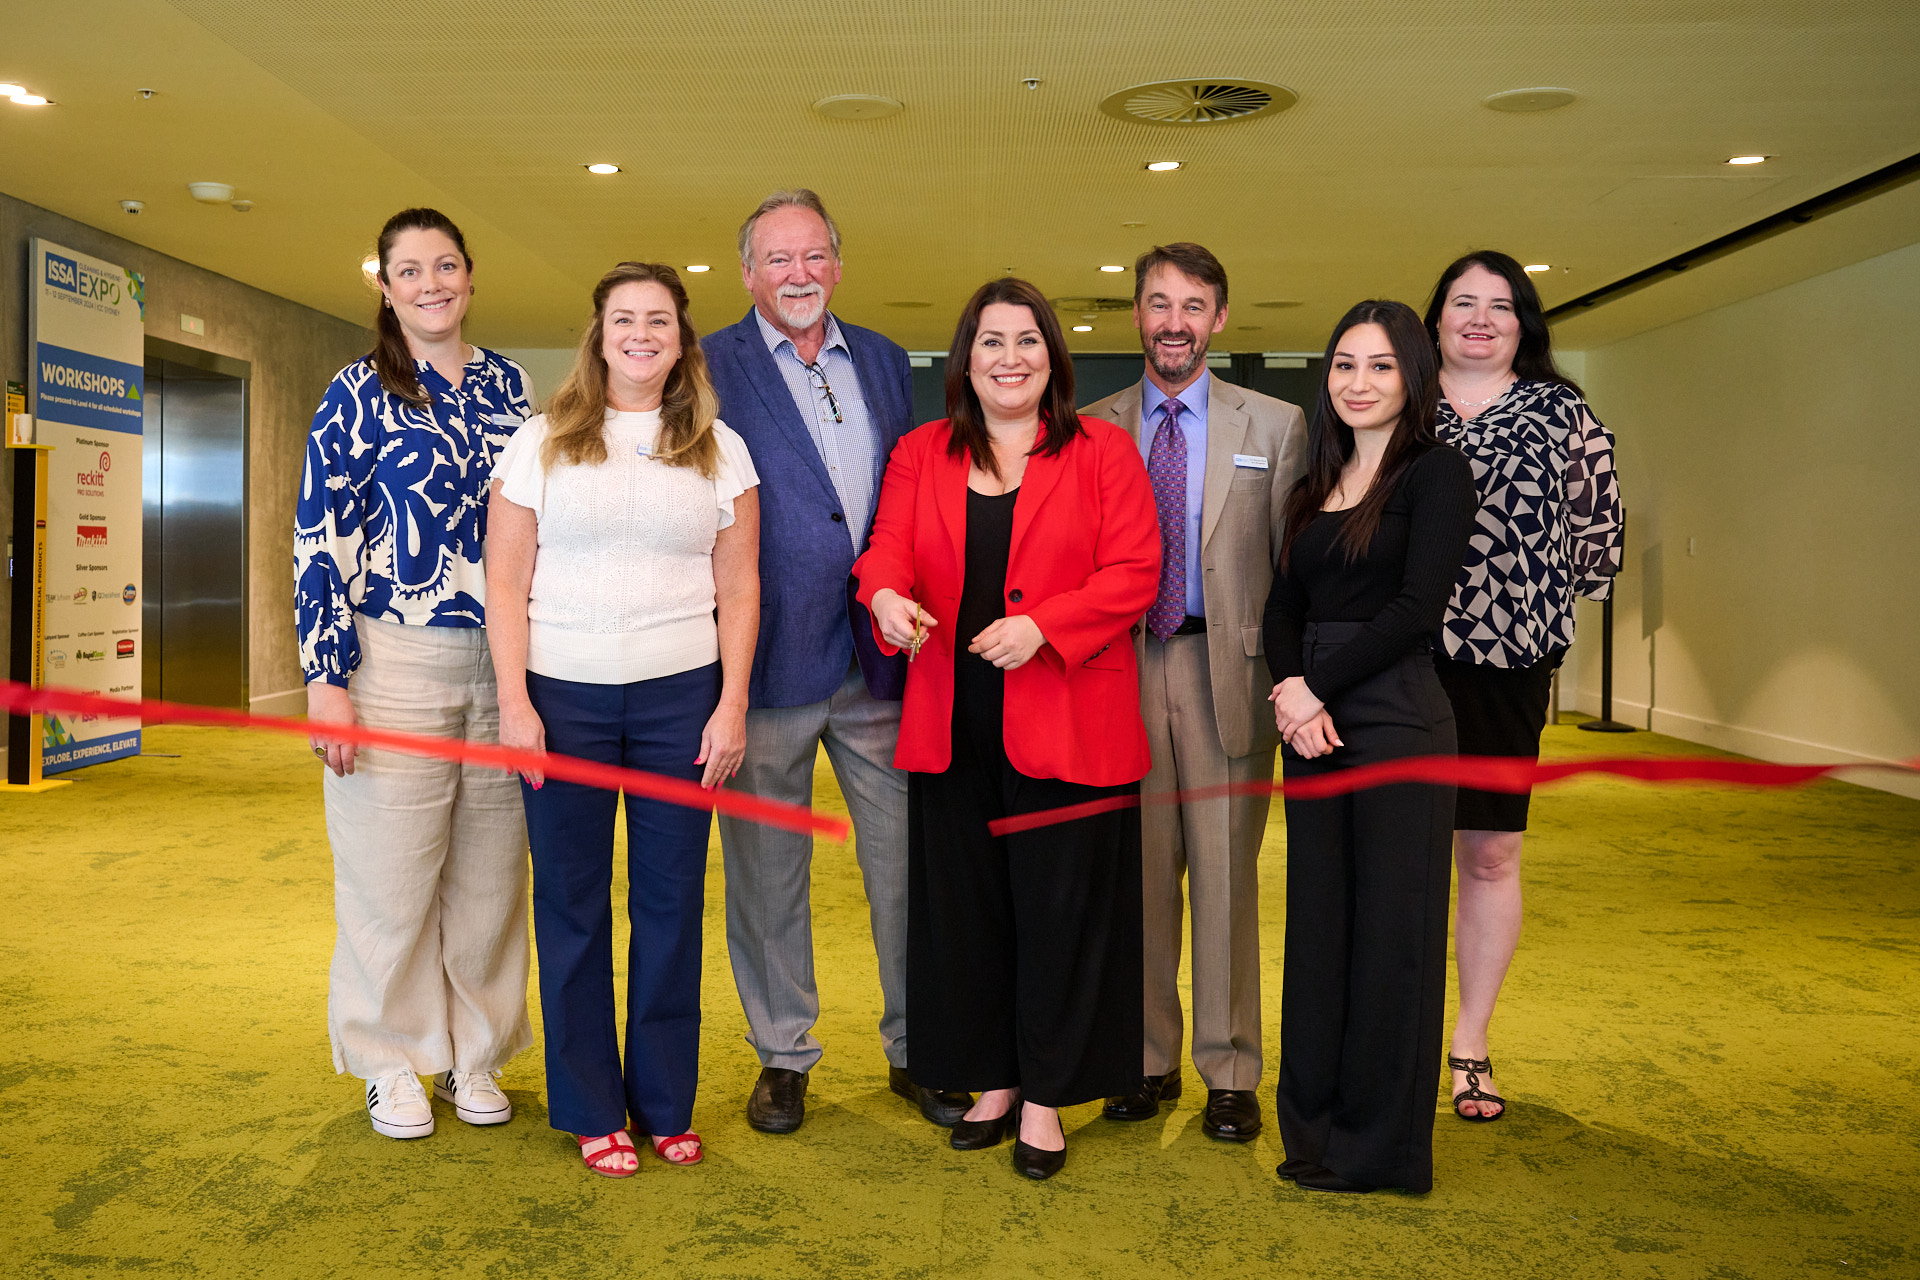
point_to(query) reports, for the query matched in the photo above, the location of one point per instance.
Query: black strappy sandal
(1473, 1093)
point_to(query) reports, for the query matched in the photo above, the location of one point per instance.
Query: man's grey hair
(798, 198)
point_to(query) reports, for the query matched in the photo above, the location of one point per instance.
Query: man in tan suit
(1221, 459)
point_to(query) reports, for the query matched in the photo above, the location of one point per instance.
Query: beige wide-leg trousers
(1214, 845)
(429, 869)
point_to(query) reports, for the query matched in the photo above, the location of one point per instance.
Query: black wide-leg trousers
(1364, 990)
(1023, 952)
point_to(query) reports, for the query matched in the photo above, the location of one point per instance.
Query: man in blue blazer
(820, 405)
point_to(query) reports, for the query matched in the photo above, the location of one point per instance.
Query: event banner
(88, 325)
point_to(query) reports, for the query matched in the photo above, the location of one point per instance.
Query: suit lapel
(1126, 411)
(764, 376)
(1227, 426)
(950, 496)
(1043, 472)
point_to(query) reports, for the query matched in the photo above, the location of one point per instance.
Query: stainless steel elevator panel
(195, 516)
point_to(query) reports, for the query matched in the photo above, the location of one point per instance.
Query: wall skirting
(1751, 742)
(292, 702)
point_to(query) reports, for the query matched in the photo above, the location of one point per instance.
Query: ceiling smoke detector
(1190, 102)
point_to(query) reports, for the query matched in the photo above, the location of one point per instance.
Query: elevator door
(194, 475)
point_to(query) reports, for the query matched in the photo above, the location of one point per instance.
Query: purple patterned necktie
(1167, 469)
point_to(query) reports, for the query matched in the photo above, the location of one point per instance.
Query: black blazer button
(837, 517)
(1014, 595)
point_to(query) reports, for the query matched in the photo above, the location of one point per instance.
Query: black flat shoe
(1328, 1180)
(1232, 1115)
(1294, 1168)
(943, 1107)
(778, 1103)
(1144, 1102)
(978, 1135)
(1035, 1163)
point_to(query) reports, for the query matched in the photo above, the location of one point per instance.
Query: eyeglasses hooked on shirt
(819, 377)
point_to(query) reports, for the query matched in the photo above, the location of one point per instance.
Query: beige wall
(293, 350)
(1769, 453)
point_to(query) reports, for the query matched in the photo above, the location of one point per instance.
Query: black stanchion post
(1606, 723)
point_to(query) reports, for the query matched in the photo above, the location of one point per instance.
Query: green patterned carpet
(1709, 1039)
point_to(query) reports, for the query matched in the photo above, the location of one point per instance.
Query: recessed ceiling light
(1162, 166)
(857, 106)
(28, 100)
(1113, 269)
(1529, 100)
(1730, 159)
(371, 264)
(1083, 328)
(698, 267)
(12, 90)
(603, 168)
(1534, 268)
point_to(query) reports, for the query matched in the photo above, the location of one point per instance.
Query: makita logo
(63, 273)
(90, 535)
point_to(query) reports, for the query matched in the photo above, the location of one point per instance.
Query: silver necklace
(1477, 404)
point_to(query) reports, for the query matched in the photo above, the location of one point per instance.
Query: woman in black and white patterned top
(1548, 530)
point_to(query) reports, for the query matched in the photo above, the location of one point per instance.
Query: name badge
(506, 419)
(1253, 460)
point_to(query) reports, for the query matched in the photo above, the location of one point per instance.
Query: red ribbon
(22, 699)
(1511, 774)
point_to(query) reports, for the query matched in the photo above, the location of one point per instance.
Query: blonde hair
(577, 414)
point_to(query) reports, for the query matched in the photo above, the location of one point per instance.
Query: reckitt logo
(96, 479)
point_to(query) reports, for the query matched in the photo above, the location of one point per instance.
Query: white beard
(800, 312)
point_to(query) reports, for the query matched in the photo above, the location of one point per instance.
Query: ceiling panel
(331, 116)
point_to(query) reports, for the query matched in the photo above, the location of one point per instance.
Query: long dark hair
(577, 414)
(392, 358)
(1330, 439)
(1533, 361)
(1059, 419)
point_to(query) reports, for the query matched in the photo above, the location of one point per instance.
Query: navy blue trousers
(653, 725)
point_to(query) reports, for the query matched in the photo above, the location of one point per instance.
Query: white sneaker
(398, 1106)
(475, 1097)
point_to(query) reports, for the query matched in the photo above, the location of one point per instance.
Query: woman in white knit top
(624, 603)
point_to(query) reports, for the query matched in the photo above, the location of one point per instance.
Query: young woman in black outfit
(1374, 536)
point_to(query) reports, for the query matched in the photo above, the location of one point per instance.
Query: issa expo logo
(90, 535)
(76, 278)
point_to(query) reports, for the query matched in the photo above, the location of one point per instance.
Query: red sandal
(660, 1146)
(618, 1144)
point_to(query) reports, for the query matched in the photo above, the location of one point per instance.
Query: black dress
(1363, 994)
(1023, 951)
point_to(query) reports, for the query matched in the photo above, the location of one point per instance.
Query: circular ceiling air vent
(857, 106)
(1092, 305)
(1544, 98)
(1197, 101)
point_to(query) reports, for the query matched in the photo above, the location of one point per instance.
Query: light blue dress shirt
(850, 447)
(1193, 425)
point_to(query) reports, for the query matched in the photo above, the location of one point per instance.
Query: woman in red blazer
(1015, 548)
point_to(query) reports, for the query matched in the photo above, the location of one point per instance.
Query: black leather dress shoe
(978, 1135)
(1232, 1115)
(1144, 1103)
(779, 1100)
(1328, 1180)
(1037, 1164)
(943, 1107)
(1292, 1169)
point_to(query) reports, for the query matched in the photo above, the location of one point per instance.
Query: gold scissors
(919, 635)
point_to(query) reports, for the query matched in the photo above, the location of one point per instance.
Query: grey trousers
(429, 869)
(1214, 844)
(769, 912)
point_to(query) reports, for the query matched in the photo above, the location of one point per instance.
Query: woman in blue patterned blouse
(430, 881)
(1548, 530)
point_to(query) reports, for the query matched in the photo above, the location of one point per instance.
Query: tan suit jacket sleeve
(1240, 539)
